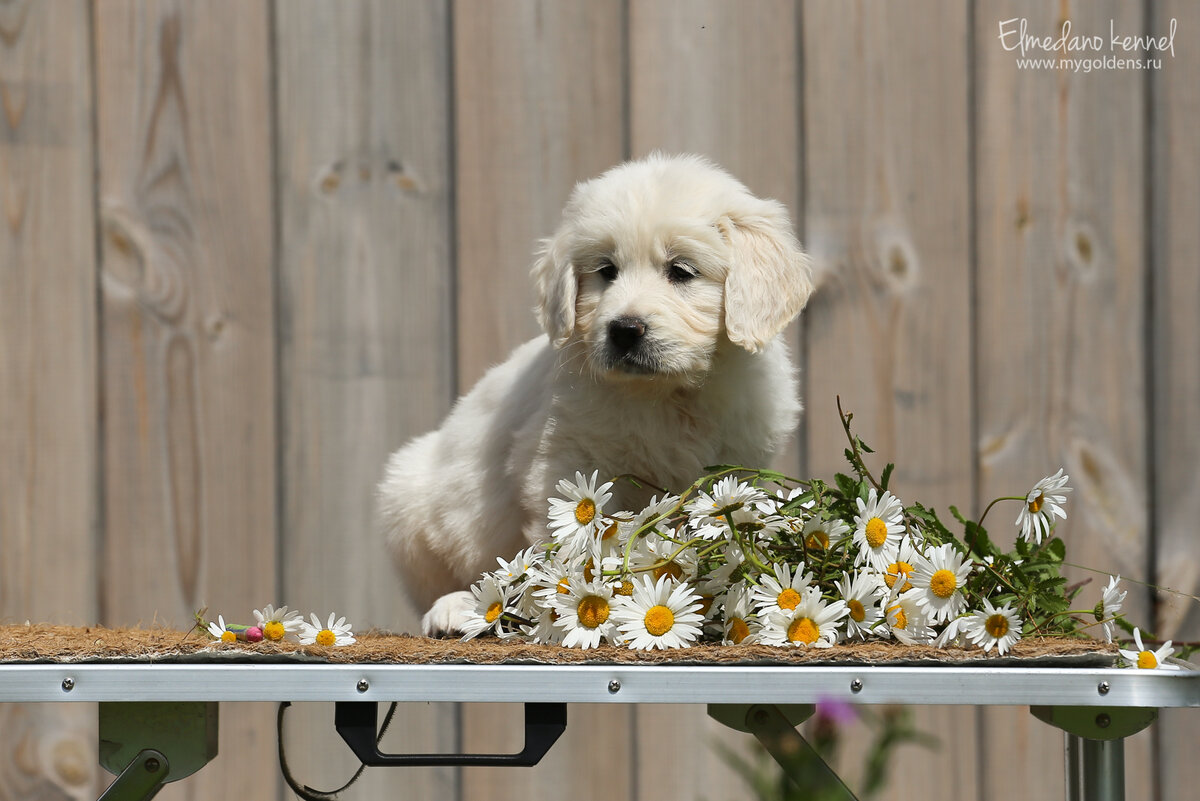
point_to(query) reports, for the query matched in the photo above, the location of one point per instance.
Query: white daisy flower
(784, 590)
(727, 495)
(543, 629)
(661, 552)
(1146, 659)
(879, 525)
(1110, 604)
(992, 627)
(861, 593)
(585, 614)
(331, 633)
(1041, 506)
(552, 576)
(811, 623)
(906, 620)
(574, 521)
(517, 572)
(278, 624)
(952, 635)
(940, 576)
(221, 631)
(663, 614)
(654, 510)
(818, 533)
(492, 598)
(908, 555)
(739, 624)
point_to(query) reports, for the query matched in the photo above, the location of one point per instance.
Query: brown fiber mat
(47, 643)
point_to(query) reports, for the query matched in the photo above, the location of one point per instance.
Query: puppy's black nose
(624, 332)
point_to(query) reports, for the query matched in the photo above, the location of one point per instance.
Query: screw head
(856, 686)
(1103, 720)
(68, 684)
(614, 686)
(363, 685)
(152, 765)
(1103, 688)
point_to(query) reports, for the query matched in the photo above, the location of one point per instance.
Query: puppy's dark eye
(608, 271)
(680, 272)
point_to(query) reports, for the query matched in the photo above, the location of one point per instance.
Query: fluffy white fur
(708, 274)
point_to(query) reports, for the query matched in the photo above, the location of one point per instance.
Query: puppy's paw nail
(448, 615)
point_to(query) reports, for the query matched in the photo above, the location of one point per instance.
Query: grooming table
(158, 722)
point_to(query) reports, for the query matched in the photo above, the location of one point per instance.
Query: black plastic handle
(356, 722)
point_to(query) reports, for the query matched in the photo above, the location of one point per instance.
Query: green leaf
(887, 475)
(847, 485)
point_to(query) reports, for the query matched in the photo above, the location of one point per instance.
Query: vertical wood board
(1060, 320)
(538, 107)
(719, 80)
(887, 217)
(183, 116)
(366, 342)
(49, 480)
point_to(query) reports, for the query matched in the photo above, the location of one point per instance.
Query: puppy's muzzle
(625, 334)
(630, 348)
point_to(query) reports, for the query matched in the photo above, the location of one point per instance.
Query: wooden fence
(248, 248)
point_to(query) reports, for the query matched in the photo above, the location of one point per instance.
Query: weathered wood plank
(1061, 316)
(183, 101)
(538, 105)
(887, 217)
(367, 323)
(1174, 229)
(49, 473)
(538, 98)
(721, 80)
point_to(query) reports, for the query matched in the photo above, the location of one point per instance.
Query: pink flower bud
(254, 634)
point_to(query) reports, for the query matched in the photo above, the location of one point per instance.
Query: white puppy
(662, 295)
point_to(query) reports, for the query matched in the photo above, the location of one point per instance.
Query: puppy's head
(657, 260)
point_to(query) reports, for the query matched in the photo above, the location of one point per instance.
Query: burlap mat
(38, 643)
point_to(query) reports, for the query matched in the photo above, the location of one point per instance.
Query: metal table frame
(149, 709)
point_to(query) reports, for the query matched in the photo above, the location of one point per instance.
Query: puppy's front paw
(448, 614)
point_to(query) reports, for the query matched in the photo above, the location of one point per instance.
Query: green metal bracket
(1096, 723)
(149, 744)
(775, 728)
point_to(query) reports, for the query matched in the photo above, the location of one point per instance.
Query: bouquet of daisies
(753, 556)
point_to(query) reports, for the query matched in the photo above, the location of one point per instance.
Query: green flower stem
(996, 501)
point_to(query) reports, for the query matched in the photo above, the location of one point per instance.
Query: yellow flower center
(564, 586)
(858, 612)
(803, 630)
(593, 610)
(817, 541)
(585, 511)
(943, 583)
(611, 531)
(493, 612)
(899, 619)
(997, 626)
(659, 620)
(1147, 660)
(706, 602)
(1035, 505)
(273, 630)
(876, 532)
(589, 570)
(894, 571)
(788, 599)
(671, 569)
(228, 636)
(738, 630)
(625, 588)
(326, 637)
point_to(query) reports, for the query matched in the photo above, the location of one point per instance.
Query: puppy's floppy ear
(770, 277)
(556, 287)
